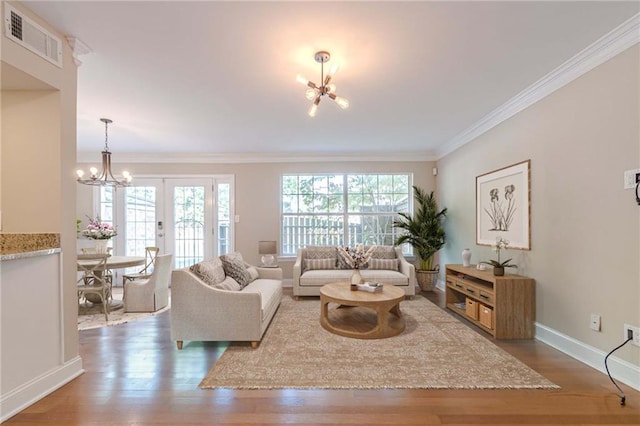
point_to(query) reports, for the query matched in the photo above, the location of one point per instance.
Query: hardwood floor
(136, 376)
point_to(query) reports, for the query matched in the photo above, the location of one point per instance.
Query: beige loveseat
(207, 304)
(319, 265)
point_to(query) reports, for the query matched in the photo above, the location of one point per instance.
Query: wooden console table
(503, 306)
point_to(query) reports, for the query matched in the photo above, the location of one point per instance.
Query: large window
(341, 209)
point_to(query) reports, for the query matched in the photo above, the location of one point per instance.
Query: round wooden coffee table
(383, 303)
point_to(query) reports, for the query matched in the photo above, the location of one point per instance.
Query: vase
(101, 246)
(466, 257)
(498, 271)
(356, 278)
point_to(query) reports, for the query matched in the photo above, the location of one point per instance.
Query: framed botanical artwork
(503, 206)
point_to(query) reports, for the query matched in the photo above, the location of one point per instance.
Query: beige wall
(585, 227)
(257, 192)
(33, 158)
(39, 153)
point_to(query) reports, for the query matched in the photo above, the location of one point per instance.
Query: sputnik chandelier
(105, 177)
(315, 92)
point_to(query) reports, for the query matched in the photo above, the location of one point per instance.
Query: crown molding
(611, 44)
(256, 157)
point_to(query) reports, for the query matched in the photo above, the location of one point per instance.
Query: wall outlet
(636, 334)
(630, 178)
(595, 322)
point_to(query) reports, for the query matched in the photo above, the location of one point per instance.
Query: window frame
(345, 213)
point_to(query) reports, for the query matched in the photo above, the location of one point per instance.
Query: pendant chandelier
(105, 177)
(315, 93)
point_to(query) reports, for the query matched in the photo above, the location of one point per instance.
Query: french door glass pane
(224, 220)
(106, 204)
(140, 210)
(189, 224)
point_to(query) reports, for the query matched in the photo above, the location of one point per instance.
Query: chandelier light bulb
(334, 69)
(80, 173)
(331, 87)
(313, 110)
(300, 79)
(311, 93)
(93, 171)
(342, 102)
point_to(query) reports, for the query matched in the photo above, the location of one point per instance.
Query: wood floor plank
(136, 376)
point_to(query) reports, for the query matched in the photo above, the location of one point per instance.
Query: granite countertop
(23, 243)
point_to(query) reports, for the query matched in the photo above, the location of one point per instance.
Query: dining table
(113, 262)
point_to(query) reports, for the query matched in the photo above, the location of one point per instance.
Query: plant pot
(101, 246)
(498, 271)
(427, 279)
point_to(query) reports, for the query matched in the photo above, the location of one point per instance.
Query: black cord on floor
(623, 398)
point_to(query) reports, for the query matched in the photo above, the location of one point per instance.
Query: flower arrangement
(96, 230)
(356, 257)
(500, 244)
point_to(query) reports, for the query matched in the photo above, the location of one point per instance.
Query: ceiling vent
(27, 33)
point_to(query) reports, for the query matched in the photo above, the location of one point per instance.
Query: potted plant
(425, 233)
(498, 266)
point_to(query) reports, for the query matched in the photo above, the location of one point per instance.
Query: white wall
(585, 228)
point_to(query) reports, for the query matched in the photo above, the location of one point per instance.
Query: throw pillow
(342, 263)
(228, 284)
(253, 273)
(390, 264)
(310, 264)
(384, 252)
(210, 271)
(320, 252)
(234, 267)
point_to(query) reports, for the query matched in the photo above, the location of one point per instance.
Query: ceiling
(204, 78)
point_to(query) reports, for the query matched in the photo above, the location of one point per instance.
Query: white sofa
(307, 280)
(202, 312)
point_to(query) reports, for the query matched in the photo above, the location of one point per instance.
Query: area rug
(436, 351)
(91, 316)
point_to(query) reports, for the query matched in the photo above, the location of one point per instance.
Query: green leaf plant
(423, 230)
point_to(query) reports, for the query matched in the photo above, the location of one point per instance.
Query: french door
(188, 217)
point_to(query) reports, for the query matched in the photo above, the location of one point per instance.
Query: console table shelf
(502, 306)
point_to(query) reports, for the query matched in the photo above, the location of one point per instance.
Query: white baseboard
(620, 369)
(34, 390)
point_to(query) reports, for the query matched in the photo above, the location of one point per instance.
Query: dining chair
(150, 294)
(107, 273)
(150, 254)
(93, 280)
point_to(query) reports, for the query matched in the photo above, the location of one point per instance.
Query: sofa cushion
(234, 267)
(390, 264)
(321, 277)
(270, 294)
(311, 264)
(228, 284)
(210, 271)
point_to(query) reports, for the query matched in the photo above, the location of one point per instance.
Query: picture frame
(503, 206)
